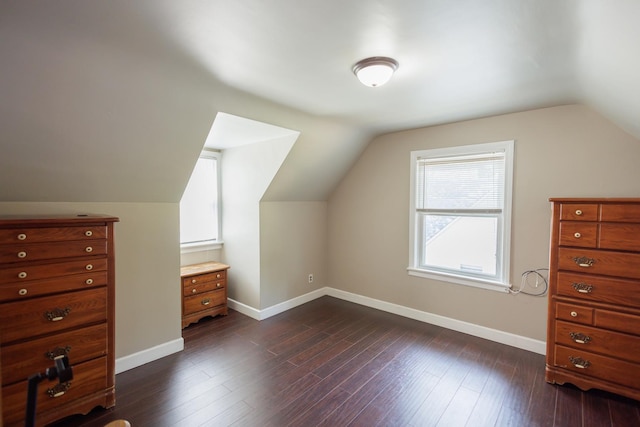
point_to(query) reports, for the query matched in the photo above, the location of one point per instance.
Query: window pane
(465, 182)
(464, 244)
(198, 206)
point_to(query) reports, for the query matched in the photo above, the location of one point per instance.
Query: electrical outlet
(311, 278)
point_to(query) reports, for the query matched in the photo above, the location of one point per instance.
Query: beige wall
(293, 242)
(147, 268)
(559, 152)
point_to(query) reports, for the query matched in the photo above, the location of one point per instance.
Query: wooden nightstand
(204, 291)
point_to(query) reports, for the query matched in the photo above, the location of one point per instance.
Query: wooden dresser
(593, 337)
(57, 298)
(204, 291)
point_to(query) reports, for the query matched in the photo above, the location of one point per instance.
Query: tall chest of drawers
(593, 336)
(57, 298)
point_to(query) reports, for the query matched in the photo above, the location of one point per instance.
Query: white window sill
(459, 280)
(188, 248)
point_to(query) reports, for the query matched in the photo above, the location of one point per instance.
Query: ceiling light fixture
(375, 71)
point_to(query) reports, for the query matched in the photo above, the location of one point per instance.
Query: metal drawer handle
(89, 281)
(22, 254)
(193, 280)
(580, 338)
(574, 314)
(88, 233)
(579, 362)
(193, 291)
(22, 275)
(58, 352)
(89, 267)
(218, 285)
(22, 236)
(578, 212)
(206, 301)
(88, 249)
(57, 314)
(58, 390)
(218, 276)
(583, 261)
(22, 292)
(583, 288)
(577, 235)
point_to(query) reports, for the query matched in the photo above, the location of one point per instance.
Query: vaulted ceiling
(131, 83)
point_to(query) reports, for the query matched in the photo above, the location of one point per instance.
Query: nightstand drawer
(198, 288)
(204, 301)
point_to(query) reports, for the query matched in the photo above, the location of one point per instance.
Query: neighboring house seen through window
(461, 214)
(199, 206)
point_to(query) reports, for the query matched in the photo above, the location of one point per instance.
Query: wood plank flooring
(334, 363)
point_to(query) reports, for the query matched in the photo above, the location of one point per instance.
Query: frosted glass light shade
(375, 71)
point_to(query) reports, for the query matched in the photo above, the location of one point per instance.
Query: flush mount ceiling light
(375, 71)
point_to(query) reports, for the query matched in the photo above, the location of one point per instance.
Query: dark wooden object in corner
(593, 338)
(57, 296)
(204, 291)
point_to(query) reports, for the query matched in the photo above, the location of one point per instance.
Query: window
(461, 214)
(199, 206)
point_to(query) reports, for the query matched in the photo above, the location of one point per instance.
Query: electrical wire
(525, 283)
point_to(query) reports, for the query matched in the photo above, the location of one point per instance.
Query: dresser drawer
(204, 301)
(53, 250)
(579, 211)
(608, 343)
(216, 276)
(21, 360)
(35, 288)
(623, 237)
(623, 322)
(599, 289)
(597, 366)
(88, 378)
(574, 313)
(579, 234)
(193, 289)
(40, 316)
(622, 212)
(52, 234)
(608, 263)
(25, 273)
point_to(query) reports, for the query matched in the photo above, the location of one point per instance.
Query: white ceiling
(113, 81)
(458, 59)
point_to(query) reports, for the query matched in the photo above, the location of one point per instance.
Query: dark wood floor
(333, 363)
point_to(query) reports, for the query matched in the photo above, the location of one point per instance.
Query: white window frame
(191, 247)
(502, 281)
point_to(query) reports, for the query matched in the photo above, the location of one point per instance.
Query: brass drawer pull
(580, 338)
(579, 362)
(577, 235)
(22, 275)
(578, 212)
(57, 314)
(206, 301)
(22, 236)
(583, 261)
(583, 288)
(88, 233)
(88, 249)
(22, 254)
(58, 352)
(59, 389)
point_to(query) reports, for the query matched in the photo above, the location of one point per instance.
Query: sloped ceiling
(113, 100)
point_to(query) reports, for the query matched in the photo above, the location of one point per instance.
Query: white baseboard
(148, 355)
(490, 334)
(145, 356)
